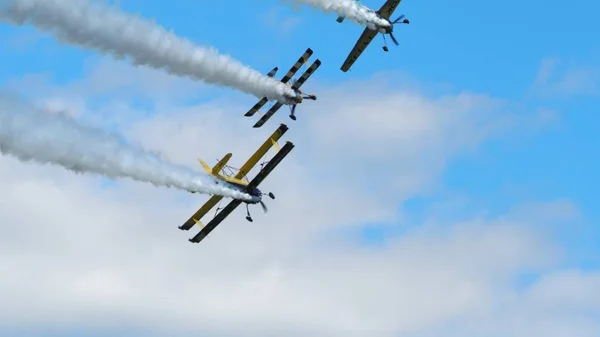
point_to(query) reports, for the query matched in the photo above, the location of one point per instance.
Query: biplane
(292, 101)
(385, 12)
(223, 172)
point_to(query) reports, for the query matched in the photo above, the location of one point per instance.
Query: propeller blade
(398, 19)
(264, 207)
(394, 39)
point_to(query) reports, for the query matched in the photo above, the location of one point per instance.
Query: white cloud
(284, 25)
(557, 77)
(73, 254)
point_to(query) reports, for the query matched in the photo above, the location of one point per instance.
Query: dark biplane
(292, 101)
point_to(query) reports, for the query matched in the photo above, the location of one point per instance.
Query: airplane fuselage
(298, 97)
(291, 100)
(254, 192)
(385, 29)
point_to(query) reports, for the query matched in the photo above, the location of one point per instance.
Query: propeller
(393, 23)
(264, 207)
(398, 19)
(394, 39)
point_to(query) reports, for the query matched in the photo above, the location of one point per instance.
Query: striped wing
(307, 74)
(256, 107)
(388, 8)
(302, 60)
(216, 220)
(268, 115)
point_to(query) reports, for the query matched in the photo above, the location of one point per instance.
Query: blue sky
(489, 48)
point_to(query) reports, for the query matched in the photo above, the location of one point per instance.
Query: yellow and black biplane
(369, 33)
(239, 180)
(292, 101)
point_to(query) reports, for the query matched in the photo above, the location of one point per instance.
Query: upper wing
(303, 59)
(388, 8)
(201, 212)
(363, 41)
(262, 150)
(313, 67)
(216, 220)
(271, 164)
(268, 115)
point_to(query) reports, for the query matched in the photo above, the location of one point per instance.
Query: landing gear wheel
(385, 48)
(271, 195)
(249, 218)
(293, 117)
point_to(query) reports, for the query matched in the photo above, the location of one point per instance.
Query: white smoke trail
(350, 9)
(107, 29)
(31, 134)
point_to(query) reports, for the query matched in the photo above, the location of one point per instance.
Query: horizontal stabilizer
(219, 166)
(273, 72)
(205, 166)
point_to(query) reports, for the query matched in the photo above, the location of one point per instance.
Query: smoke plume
(350, 9)
(31, 134)
(105, 28)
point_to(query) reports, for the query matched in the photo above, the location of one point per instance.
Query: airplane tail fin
(273, 72)
(340, 19)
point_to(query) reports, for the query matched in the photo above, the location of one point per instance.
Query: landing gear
(248, 217)
(271, 195)
(292, 112)
(385, 47)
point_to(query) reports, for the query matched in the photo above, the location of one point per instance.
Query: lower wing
(363, 41)
(216, 220)
(268, 115)
(256, 107)
(201, 212)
